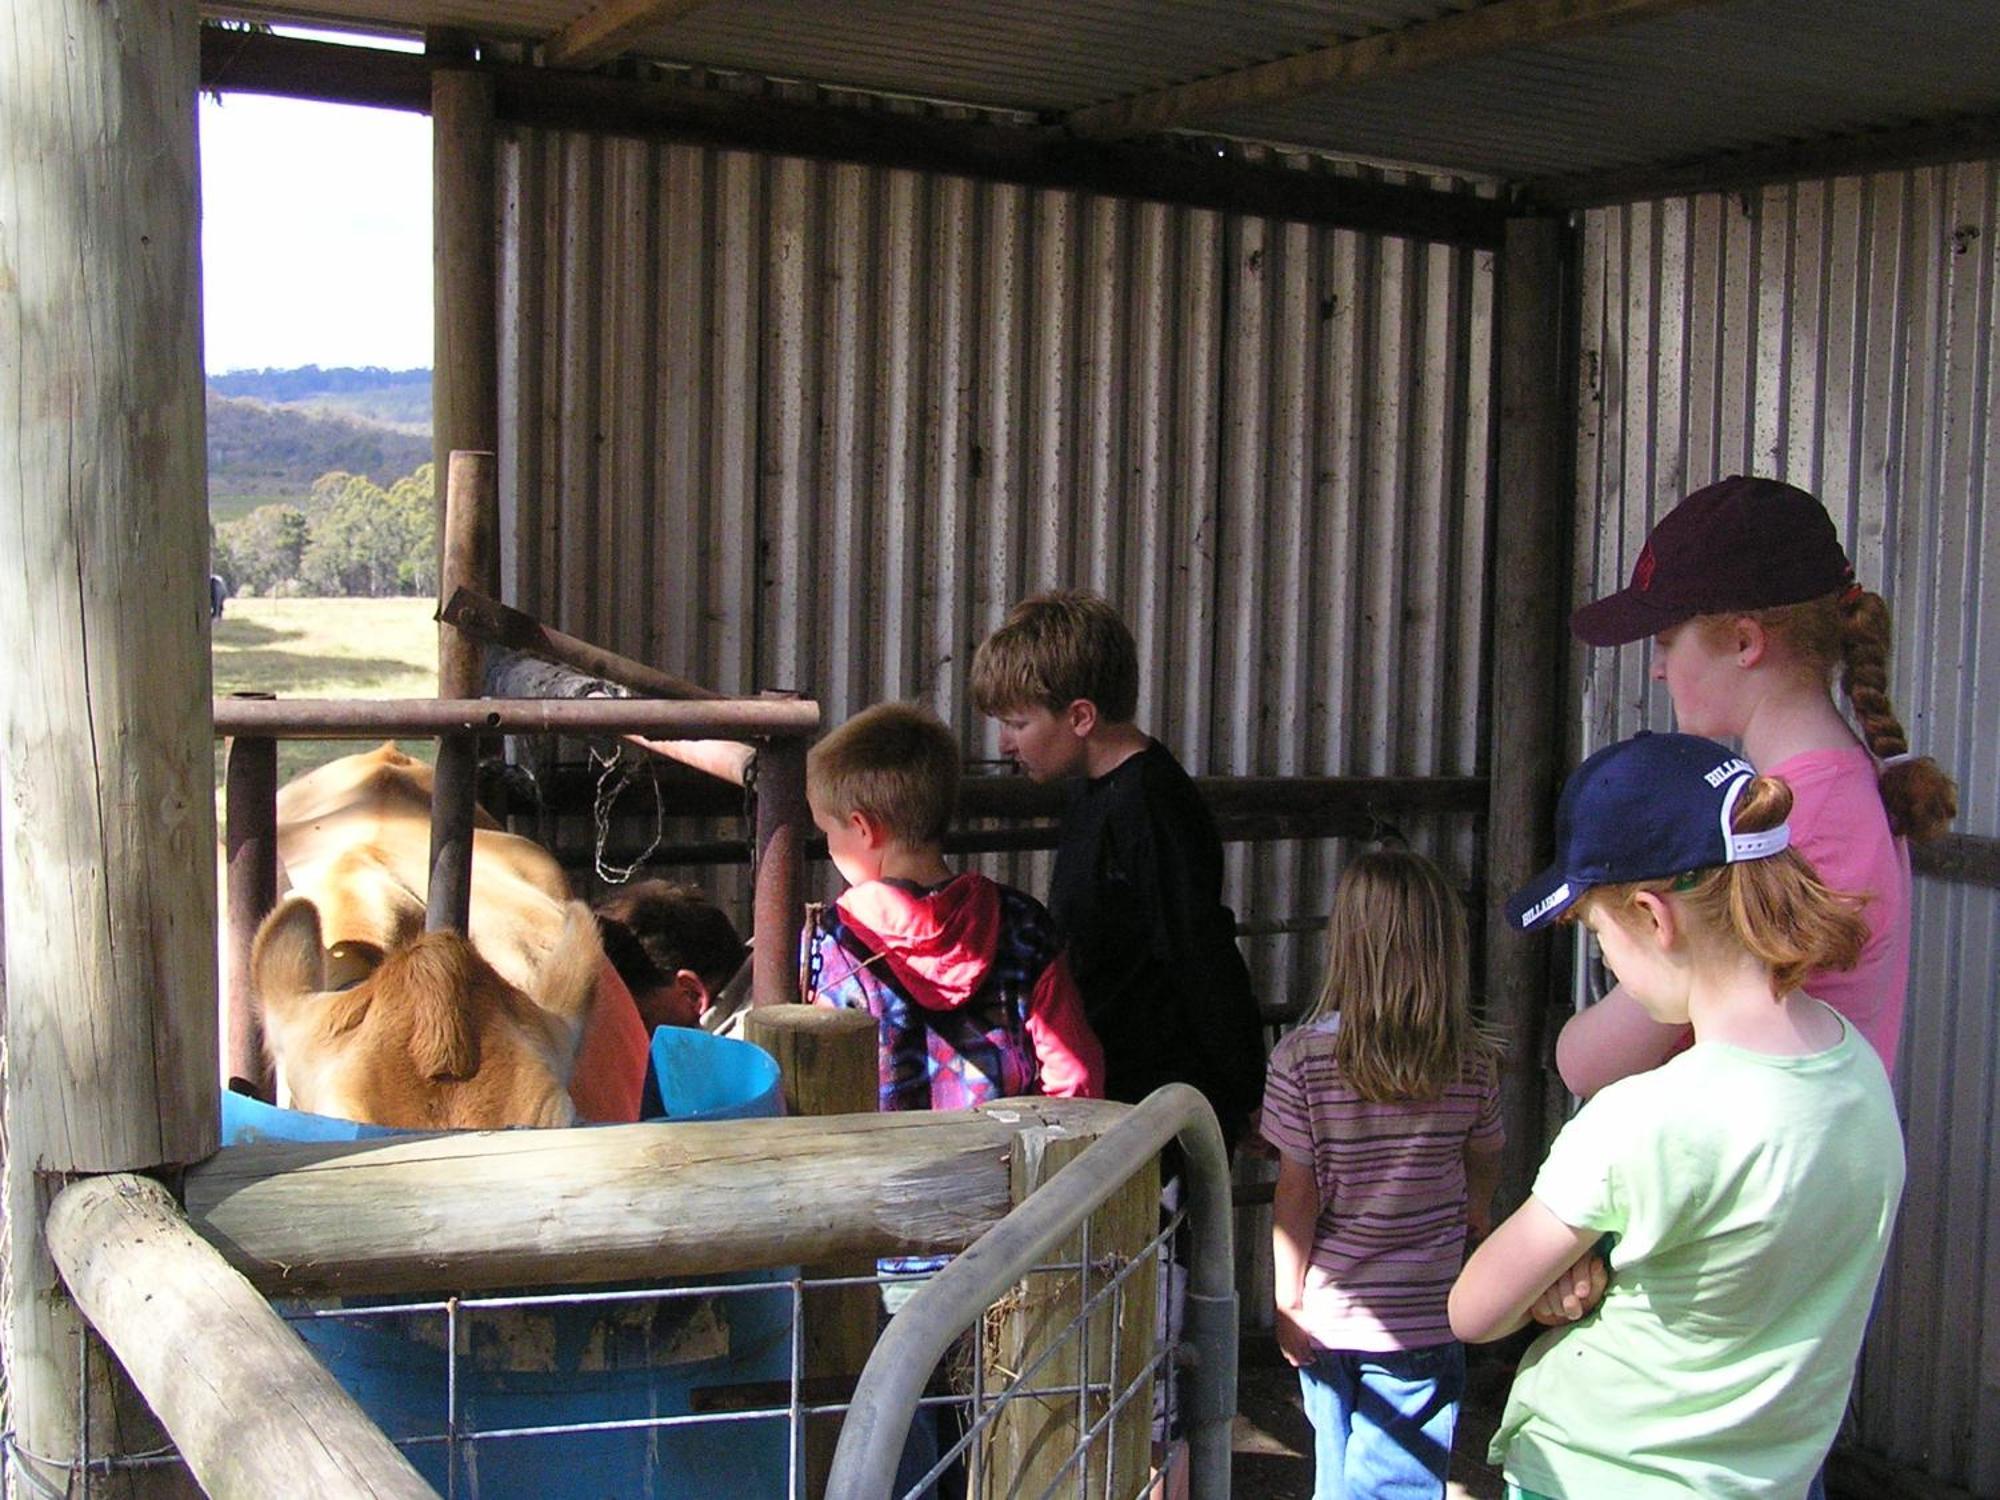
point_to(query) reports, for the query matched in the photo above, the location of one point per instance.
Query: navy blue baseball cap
(1643, 809)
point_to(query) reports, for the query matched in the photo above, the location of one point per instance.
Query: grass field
(326, 648)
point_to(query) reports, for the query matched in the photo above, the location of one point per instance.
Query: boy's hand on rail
(1573, 1293)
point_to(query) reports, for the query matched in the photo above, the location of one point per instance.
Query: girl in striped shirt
(1384, 1107)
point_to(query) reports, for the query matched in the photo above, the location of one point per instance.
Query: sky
(315, 236)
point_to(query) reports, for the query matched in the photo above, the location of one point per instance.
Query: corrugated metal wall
(779, 423)
(1842, 335)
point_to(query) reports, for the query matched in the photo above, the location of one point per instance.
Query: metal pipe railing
(350, 719)
(871, 1440)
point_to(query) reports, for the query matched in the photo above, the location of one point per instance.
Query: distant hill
(399, 399)
(259, 453)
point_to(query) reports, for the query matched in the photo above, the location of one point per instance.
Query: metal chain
(606, 797)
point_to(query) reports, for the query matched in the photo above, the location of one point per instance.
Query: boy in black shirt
(1137, 890)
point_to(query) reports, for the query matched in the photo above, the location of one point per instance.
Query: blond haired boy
(964, 976)
(1137, 888)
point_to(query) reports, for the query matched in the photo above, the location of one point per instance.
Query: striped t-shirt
(1391, 1233)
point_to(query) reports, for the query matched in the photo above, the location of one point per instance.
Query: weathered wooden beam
(465, 395)
(560, 1207)
(107, 828)
(1963, 138)
(1963, 857)
(485, 618)
(365, 719)
(1027, 1449)
(783, 824)
(1484, 29)
(250, 1409)
(511, 674)
(469, 562)
(250, 843)
(603, 33)
(1530, 570)
(829, 1064)
(1034, 156)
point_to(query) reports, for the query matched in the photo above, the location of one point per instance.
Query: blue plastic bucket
(602, 1362)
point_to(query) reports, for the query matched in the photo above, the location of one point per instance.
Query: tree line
(351, 537)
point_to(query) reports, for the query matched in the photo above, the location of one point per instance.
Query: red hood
(939, 944)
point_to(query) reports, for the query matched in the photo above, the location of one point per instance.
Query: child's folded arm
(1511, 1270)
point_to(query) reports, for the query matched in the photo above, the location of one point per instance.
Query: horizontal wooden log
(249, 1407)
(1034, 156)
(514, 674)
(1961, 857)
(1352, 801)
(494, 1209)
(360, 719)
(487, 619)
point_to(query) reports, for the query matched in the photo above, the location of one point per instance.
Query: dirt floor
(1273, 1440)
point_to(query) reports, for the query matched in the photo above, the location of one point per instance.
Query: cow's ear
(287, 964)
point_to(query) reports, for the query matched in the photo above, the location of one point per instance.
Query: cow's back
(354, 838)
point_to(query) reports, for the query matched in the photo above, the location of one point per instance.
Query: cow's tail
(568, 980)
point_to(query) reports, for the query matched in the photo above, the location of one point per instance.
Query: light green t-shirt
(1752, 1197)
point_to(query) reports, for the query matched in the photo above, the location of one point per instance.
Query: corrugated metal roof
(1710, 78)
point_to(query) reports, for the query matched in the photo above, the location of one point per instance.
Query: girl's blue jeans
(1382, 1422)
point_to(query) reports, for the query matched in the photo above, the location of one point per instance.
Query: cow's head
(430, 1037)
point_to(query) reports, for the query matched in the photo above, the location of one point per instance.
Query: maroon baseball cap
(1739, 544)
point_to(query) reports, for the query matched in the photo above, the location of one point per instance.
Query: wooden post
(250, 840)
(1032, 1438)
(1530, 574)
(106, 753)
(470, 559)
(465, 396)
(250, 1408)
(470, 527)
(778, 904)
(828, 1062)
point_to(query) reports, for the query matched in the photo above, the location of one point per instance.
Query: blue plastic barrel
(604, 1362)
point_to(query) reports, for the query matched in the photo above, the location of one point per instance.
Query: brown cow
(370, 1019)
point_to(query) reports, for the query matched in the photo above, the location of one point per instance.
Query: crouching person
(1751, 1182)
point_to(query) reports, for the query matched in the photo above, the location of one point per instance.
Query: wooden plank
(1963, 857)
(1530, 568)
(829, 1064)
(251, 1410)
(250, 842)
(485, 618)
(107, 828)
(1028, 1448)
(469, 563)
(1034, 156)
(513, 675)
(561, 1207)
(1457, 37)
(783, 823)
(603, 33)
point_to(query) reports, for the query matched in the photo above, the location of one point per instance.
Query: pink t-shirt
(1391, 1177)
(1839, 825)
